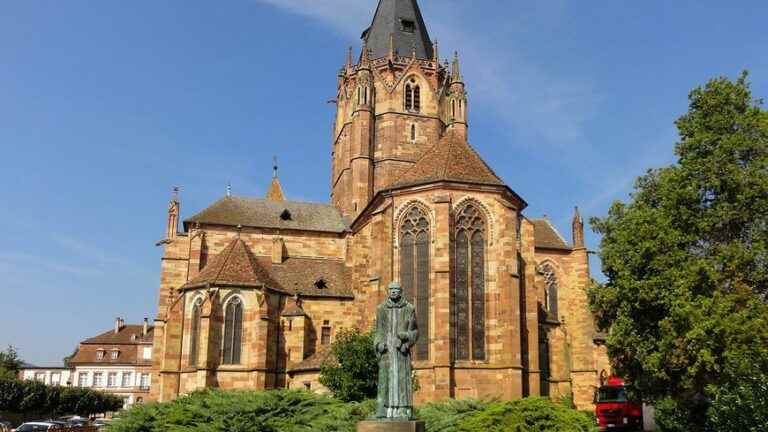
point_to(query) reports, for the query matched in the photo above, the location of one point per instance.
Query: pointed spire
(391, 46)
(275, 192)
(365, 55)
(436, 57)
(578, 230)
(398, 24)
(349, 58)
(456, 69)
(172, 227)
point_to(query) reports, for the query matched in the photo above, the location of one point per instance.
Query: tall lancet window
(412, 96)
(414, 273)
(194, 336)
(233, 331)
(550, 290)
(469, 294)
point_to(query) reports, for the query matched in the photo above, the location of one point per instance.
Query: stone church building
(254, 290)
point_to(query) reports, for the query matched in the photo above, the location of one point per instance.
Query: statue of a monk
(396, 334)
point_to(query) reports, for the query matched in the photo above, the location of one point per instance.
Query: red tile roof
(451, 159)
(129, 341)
(546, 235)
(234, 266)
(314, 362)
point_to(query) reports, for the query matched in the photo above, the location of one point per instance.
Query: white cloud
(500, 78)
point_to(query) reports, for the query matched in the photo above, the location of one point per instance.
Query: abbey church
(253, 291)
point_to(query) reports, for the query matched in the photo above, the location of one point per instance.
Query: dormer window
(286, 215)
(100, 354)
(114, 354)
(407, 26)
(321, 284)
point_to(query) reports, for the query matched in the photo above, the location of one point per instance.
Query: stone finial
(436, 56)
(275, 192)
(392, 46)
(578, 230)
(350, 61)
(456, 69)
(174, 206)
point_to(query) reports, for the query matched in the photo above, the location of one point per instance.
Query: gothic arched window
(194, 343)
(469, 294)
(550, 290)
(233, 331)
(412, 96)
(414, 273)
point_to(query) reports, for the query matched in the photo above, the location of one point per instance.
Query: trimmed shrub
(244, 411)
(299, 411)
(524, 415)
(32, 397)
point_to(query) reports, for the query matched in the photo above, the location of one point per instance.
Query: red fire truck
(614, 410)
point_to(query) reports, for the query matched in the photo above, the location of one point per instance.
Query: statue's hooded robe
(396, 331)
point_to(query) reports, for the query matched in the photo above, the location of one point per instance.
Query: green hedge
(33, 397)
(298, 411)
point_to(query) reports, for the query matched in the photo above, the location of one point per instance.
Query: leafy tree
(686, 262)
(352, 375)
(10, 363)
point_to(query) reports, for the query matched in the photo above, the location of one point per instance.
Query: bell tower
(393, 104)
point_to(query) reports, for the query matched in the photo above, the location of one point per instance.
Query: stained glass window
(233, 331)
(550, 290)
(414, 273)
(469, 287)
(195, 333)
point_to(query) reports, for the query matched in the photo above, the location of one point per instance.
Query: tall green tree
(10, 363)
(352, 371)
(686, 261)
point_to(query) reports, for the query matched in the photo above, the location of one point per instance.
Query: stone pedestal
(391, 426)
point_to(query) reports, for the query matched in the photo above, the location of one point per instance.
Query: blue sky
(104, 106)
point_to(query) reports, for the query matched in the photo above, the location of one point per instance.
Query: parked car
(614, 410)
(35, 427)
(100, 424)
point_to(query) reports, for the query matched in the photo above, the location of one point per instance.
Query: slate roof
(236, 266)
(263, 213)
(388, 21)
(315, 361)
(547, 237)
(451, 159)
